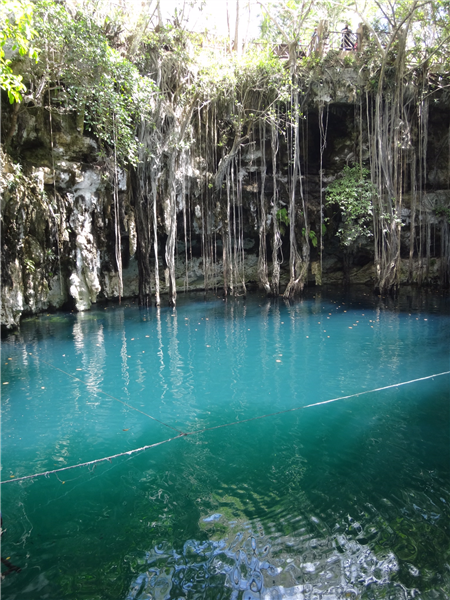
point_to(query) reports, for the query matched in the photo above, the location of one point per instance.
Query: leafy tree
(80, 71)
(294, 21)
(285, 21)
(16, 36)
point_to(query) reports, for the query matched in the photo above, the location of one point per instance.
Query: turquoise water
(345, 499)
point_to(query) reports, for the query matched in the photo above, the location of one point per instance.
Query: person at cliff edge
(347, 34)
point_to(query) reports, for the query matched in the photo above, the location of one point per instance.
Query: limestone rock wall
(57, 222)
(58, 219)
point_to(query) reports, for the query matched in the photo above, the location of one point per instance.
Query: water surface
(343, 499)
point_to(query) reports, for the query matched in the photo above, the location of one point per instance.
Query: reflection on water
(342, 500)
(253, 565)
(309, 532)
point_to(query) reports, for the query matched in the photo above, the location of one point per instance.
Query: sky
(214, 15)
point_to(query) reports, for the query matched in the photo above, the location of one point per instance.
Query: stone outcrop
(58, 218)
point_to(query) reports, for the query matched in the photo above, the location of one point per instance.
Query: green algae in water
(341, 500)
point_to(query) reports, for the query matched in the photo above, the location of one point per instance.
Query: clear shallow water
(342, 500)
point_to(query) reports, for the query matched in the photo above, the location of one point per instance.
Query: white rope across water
(92, 462)
(386, 387)
(199, 431)
(281, 412)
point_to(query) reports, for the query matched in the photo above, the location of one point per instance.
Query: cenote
(341, 499)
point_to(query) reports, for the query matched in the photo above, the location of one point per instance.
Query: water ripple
(253, 565)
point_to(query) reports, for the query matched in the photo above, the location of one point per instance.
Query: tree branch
(275, 22)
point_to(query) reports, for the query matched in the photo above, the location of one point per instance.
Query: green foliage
(282, 216)
(443, 212)
(16, 34)
(283, 219)
(90, 77)
(349, 59)
(174, 54)
(312, 237)
(252, 81)
(30, 266)
(353, 194)
(113, 88)
(426, 26)
(290, 21)
(285, 21)
(243, 91)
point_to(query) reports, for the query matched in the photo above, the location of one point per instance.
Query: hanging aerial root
(297, 283)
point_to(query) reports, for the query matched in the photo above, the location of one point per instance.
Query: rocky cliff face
(55, 217)
(59, 224)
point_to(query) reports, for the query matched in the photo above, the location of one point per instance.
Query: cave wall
(57, 210)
